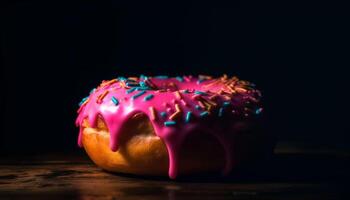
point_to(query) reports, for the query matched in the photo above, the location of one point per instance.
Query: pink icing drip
(115, 116)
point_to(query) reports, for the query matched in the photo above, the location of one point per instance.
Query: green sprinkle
(169, 123)
(163, 114)
(204, 114)
(221, 111)
(148, 97)
(115, 101)
(138, 94)
(198, 107)
(188, 116)
(130, 90)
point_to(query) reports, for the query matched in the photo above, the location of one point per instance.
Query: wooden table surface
(287, 176)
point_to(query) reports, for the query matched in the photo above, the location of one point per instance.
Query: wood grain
(75, 177)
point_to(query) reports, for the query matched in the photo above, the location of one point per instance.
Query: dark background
(54, 52)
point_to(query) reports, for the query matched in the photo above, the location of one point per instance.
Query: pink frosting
(176, 108)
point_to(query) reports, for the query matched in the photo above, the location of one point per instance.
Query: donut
(172, 126)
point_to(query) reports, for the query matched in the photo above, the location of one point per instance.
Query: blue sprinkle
(142, 88)
(221, 111)
(92, 91)
(188, 116)
(83, 101)
(143, 77)
(121, 78)
(204, 114)
(138, 94)
(258, 111)
(200, 92)
(179, 78)
(198, 107)
(130, 90)
(132, 84)
(200, 81)
(163, 114)
(148, 97)
(115, 101)
(226, 103)
(169, 123)
(161, 77)
(143, 84)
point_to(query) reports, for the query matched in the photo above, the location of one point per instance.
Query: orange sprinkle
(109, 82)
(241, 90)
(153, 113)
(210, 102)
(177, 108)
(178, 95)
(82, 106)
(204, 77)
(175, 115)
(133, 78)
(101, 96)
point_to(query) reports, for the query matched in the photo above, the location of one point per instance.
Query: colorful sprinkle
(170, 123)
(226, 103)
(138, 94)
(185, 91)
(200, 92)
(83, 101)
(221, 111)
(101, 97)
(132, 84)
(161, 77)
(183, 102)
(163, 114)
(152, 113)
(201, 104)
(130, 90)
(148, 97)
(179, 78)
(175, 115)
(258, 111)
(93, 90)
(178, 95)
(115, 101)
(204, 114)
(188, 116)
(177, 108)
(197, 107)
